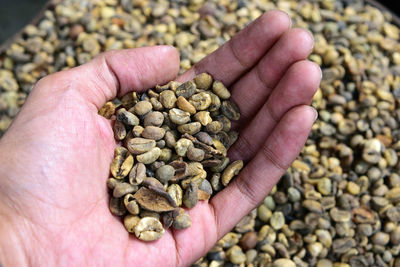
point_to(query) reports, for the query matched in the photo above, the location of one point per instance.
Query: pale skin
(55, 157)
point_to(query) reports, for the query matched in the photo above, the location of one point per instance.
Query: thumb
(113, 73)
(118, 72)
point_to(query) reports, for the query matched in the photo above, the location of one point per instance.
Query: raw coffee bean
(119, 131)
(130, 222)
(203, 117)
(152, 201)
(107, 110)
(117, 206)
(200, 101)
(230, 110)
(154, 118)
(131, 205)
(215, 102)
(153, 133)
(230, 171)
(204, 138)
(220, 90)
(184, 105)
(121, 189)
(137, 174)
(179, 116)
(127, 117)
(168, 99)
(182, 220)
(142, 107)
(190, 196)
(149, 156)
(165, 173)
(195, 154)
(186, 89)
(182, 145)
(139, 145)
(149, 229)
(203, 81)
(189, 128)
(121, 166)
(176, 193)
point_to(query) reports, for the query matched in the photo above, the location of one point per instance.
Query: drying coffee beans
(172, 154)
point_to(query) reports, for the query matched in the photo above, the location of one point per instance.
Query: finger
(118, 72)
(258, 177)
(251, 91)
(244, 50)
(297, 87)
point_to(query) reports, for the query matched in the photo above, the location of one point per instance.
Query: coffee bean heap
(174, 141)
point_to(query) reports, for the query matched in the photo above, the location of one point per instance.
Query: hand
(55, 157)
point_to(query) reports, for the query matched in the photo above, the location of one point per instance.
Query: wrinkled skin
(55, 157)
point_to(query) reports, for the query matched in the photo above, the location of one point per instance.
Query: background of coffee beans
(339, 203)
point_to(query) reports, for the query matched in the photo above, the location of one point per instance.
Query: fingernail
(315, 113)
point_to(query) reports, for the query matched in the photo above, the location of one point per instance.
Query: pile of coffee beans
(338, 204)
(174, 141)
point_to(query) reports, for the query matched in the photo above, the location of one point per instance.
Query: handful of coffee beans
(174, 140)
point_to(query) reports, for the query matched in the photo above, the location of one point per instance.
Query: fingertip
(276, 19)
(173, 55)
(308, 73)
(301, 42)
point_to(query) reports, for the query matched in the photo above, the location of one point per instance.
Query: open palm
(55, 157)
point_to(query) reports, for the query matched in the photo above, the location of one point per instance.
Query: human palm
(56, 155)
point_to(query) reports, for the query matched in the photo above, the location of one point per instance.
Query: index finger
(244, 50)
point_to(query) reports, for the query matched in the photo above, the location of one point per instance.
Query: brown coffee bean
(130, 222)
(230, 110)
(200, 101)
(195, 154)
(139, 145)
(230, 171)
(153, 201)
(127, 117)
(149, 156)
(205, 138)
(179, 116)
(182, 220)
(214, 127)
(107, 110)
(153, 132)
(142, 107)
(121, 189)
(175, 191)
(184, 105)
(203, 117)
(220, 90)
(119, 131)
(168, 99)
(131, 205)
(186, 89)
(189, 128)
(190, 197)
(165, 173)
(215, 102)
(137, 174)
(117, 206)
(203, 81)
(248, 241)
(154, 118)
(121, 165)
